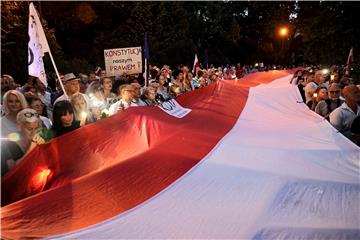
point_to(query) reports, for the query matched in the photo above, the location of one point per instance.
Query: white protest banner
(173, 108)
(37, 46)
(123, 60)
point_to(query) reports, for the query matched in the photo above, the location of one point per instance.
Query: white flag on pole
(37, 46)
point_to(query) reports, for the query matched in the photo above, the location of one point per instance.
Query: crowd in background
(34, 114)
(332, 94)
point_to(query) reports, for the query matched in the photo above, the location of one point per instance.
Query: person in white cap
(71, 85)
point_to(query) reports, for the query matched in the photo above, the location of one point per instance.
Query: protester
(342, 117)
(13, 103)
(166, 76)
(310, 87)
(71, 85)
(174, 91)
(44, 96)
(36, 104)
(81, 109)
(29, 88)
(297, 76)
(195, 80)
(161, 89)
(106, 84)
(7, 83)
(12, 152)
(239, 71)
(148, 97)
(137, 95)
(92, 77)
(188, 82)
(96, 99)
(319, 95)
(63, 118)
(127, 92)
(325, 107)
(84, 82)
(179, 81)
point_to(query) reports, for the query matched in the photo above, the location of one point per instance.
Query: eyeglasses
(337, 91)
(30, 115)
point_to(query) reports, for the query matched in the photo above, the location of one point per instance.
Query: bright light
(315, 95)
(45, 173)
(40, 178)
(14, 137)
(83, 115)
(332, 77)
(325, 71)
(256, 64)
(98, 103)
(105, 111)
(283, 31)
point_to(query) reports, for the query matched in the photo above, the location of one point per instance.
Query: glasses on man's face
(30, 115)
(333, 92)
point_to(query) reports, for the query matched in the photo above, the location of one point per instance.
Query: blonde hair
(20, 97)
(78, 96)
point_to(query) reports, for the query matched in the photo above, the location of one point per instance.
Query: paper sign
(123, 60)
(173, 108)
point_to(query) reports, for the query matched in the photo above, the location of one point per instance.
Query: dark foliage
(228, 31)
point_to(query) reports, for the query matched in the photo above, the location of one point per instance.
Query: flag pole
(349, 61)
(57, 74)
(146, 74)
(146, 57)
(41, 41)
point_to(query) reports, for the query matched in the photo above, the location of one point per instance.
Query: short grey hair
(22, 117)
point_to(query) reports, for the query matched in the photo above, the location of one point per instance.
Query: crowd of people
(34, 114)
(332, 94)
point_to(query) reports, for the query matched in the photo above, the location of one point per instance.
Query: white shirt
(114, 108)
(7, 127)
(342, 117)
(47, 122)
(61, 98)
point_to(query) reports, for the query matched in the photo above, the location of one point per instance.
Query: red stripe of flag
(111, 166)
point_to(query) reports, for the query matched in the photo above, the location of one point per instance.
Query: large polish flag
(250, 161)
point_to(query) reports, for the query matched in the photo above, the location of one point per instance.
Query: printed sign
(123, 60)
(173, 108)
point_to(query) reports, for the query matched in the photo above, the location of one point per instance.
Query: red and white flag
(234, 167)
(196, 65)
(37, 46)
(350, 60)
